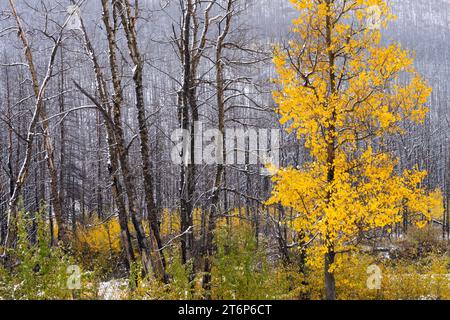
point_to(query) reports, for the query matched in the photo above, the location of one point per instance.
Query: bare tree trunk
(186, 169)
(11, 172)
(136, 216)
(113, 163)
(220, 168)
(62, 136)
(117, 193)
(191, 45)
(39, 112)
(99, 190)
(129, 23)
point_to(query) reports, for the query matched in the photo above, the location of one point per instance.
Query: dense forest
(225, 149)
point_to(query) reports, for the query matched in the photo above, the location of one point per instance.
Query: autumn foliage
(345, 93)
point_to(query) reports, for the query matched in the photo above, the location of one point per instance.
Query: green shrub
(38, 271)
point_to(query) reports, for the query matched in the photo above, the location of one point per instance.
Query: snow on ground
(113, 290)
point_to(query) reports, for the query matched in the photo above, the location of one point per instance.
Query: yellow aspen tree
(344, 93)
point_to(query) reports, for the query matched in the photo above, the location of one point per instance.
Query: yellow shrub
(170, 223)
(100, 237)
(427, 278)
(437, 204)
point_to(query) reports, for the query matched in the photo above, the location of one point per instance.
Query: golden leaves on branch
(340, 90)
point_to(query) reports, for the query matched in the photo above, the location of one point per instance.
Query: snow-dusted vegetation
(224, 149)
